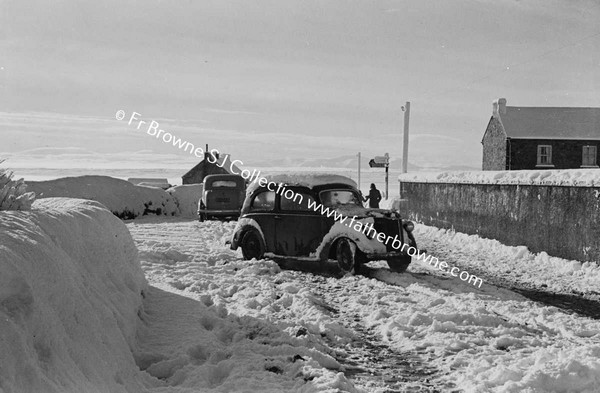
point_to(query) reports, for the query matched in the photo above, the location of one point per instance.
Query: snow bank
(70, 290)
(515, 263)
(124, 199)
(566, 177)
(186, 198)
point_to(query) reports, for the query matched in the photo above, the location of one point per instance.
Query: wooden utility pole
(406, 110)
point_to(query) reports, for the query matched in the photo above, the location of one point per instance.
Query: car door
(298, 228)
(262, 210)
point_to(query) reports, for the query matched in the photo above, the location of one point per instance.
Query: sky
(267, 80)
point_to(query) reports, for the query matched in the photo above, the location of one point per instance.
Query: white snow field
(204, 328)
(78, 315)
(120, 196)
(216, 323)
(70, 291)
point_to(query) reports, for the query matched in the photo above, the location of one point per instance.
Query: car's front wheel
(252, 246)
(399, 264)
(348, 256)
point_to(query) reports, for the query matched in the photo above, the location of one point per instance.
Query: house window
(544, 155)
(589, 156)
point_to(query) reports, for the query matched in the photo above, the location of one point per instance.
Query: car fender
(244, 225)
(339, 230)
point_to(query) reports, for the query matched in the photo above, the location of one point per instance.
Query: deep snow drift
(122, 198)
(186, 198)
(70, 290)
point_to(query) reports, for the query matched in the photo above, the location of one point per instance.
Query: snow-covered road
(213, 322)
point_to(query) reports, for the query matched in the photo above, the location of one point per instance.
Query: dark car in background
(272, 225)
(222, 197)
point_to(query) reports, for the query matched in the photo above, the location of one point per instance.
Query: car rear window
(263, 201)
(224, 183)
(339, 197)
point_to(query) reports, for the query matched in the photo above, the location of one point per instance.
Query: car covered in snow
(222, 196)
(320, 218)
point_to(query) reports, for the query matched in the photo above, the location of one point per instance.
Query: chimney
(499, 107)
(502, 106)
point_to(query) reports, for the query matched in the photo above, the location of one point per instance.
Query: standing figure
(374, 197)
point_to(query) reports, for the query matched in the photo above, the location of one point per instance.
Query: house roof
(551, 123)
(223, 161)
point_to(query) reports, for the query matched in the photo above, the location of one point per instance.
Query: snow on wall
(566, 177)
(70, 290)
(186, 198)
(124, 199)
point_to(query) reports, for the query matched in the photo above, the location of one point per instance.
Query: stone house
(540, 137)
(219, 165)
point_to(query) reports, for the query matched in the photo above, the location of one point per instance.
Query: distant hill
(349, 162)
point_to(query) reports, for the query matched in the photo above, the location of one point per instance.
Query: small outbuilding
(540, 137)
(220, 164)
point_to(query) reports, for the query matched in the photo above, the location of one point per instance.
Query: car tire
(399, 264)
(346, 255)
(202, 217)
(252, 246)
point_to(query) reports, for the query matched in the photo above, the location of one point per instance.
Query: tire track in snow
(369, 360)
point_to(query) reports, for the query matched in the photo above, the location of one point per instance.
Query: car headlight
(409, 226)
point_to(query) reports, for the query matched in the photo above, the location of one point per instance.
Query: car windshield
(339, 197)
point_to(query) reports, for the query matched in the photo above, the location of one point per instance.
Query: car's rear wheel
(252, 246)
(202, 217)
(347, 256)
(399, 264)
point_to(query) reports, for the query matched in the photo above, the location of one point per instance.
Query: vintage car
(222, 197)
(276, 223)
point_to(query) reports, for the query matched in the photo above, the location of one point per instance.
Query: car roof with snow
(309, 180)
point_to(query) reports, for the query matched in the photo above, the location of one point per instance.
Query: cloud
(240, 75)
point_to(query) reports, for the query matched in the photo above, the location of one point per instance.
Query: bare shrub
(13, 194)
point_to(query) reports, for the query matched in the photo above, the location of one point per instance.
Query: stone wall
(563, 221)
